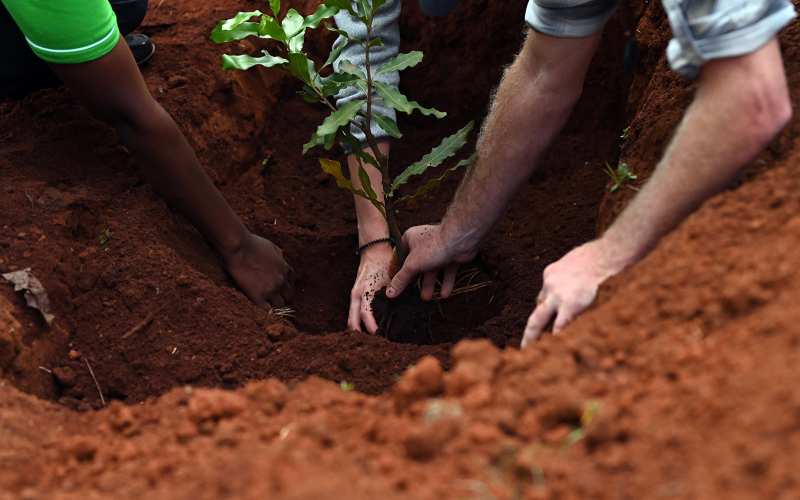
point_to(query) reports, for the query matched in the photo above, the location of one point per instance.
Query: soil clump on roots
(690, 356)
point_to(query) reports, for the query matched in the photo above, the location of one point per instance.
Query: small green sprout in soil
(626, 132)
(322, 81)
(105, 237)
(620, 176)
(590, 411)
(347, 386)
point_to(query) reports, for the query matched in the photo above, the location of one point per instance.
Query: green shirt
(66, 31)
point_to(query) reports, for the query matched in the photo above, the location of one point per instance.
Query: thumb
(401, 280)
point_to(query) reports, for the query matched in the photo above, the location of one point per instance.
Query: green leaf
(400, 62)
(316, 140)
(275, 5)
(269, 28)
(337, 50)
(377, 4)
(219, 35)
(351, 69)
(448, 147)
(392, 97)
(297, 41)
(366, 184)
(334, 83)
(245, 62)
(238, 19)
(341, 33)
(341, 4)
(292, 23)
(341, 117)
(387, 124)
(364, 156)
(300, 66)
(436, 182)
(375, 42)
(323, 12)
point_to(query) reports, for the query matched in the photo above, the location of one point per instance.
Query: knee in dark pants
(130, 14)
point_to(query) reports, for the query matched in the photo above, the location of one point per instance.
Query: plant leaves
(400, 62)
(341, 117)
(219, 35)
(245, 62)
(323, 12)
(387, 124)
(238, 19)
(275, 5)
(341, 4)
(296, 42)
(351, 69)
(392, 97)
(366, 183)
(332, 84)
(447, 148)
(269, 28)
(436, 182)
(292, 23)
(316, 140)
(336, 51)
(300, 66)
(334, 169)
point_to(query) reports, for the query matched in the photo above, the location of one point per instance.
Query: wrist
(232, 244)
(380, 250)
(613, 256)
(458, 240)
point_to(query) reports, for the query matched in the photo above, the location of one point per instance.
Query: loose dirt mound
(681, 382)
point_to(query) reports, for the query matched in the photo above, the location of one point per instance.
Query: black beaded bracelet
(373, 243)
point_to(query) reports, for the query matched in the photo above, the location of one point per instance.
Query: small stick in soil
(141, 325)
(96, 384)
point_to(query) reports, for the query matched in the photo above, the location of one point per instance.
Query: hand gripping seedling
(290, 32)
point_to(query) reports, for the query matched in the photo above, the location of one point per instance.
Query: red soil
(691, 354)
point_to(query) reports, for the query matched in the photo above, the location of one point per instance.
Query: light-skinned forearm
(531, 106)
(741, 104)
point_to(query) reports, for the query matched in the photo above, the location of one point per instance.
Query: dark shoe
(141, 47)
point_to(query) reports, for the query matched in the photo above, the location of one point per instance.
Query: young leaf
(323, 12)
(337, 50)
(392, 97)
(334, 83)
(351, 69)
(341, 117)
(219, 35)
(364, 156)
(275, 5)
(244, 62)
(292, 23)
(400, 62)
(269, 28)
(297, 41)
(435, 182)
(366, 183)
(238, 19)
(375, 42)
(448, 147)
(387, 124)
